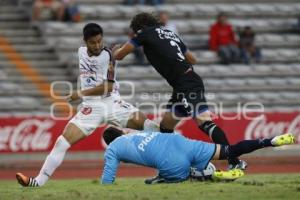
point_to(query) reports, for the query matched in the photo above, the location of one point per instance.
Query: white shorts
(109, 110)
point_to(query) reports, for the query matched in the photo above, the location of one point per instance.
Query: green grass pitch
(254, 187)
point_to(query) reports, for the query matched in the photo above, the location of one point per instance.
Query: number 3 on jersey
(180, 54)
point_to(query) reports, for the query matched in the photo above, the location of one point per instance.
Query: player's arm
(104, 88)
(111, 164)
(120, 52)
(190, 58)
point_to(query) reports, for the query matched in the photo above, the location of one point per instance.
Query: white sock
(53, 160)
(150, 125)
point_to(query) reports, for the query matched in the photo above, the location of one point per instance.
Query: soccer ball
(203, 175)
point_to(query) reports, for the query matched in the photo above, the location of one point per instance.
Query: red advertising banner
(38, 134)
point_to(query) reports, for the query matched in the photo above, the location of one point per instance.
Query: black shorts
(188, 100)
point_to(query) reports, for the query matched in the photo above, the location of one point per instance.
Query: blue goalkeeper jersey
(171, 154)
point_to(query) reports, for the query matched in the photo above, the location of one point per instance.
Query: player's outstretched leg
(247, 146)
(218, 136)
(244, 147)
(72, 134)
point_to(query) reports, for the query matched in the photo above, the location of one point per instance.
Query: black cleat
(240, 165)
(155, 180)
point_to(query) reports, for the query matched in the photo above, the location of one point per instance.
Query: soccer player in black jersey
(171, 58)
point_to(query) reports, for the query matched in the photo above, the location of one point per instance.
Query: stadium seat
(290, 95)
(235, 82)
(7, 103)
(207, 57)
(206, 9)
(241, 69)
(8, 86)
(296, 67)
(248, 96)
(269, 96)
(203, 70)
(261, 68)
(281, 68)
(265, 8)
(127, 11)
(213, 82)
(229, 97)
(185, 10)
(219, 69)
(294, 81)
(256, 81)
(276, 81)
(245, 9)
(269, 54)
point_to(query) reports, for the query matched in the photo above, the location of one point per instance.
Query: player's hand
(73, 97)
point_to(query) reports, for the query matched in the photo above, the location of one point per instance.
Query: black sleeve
(183, 47)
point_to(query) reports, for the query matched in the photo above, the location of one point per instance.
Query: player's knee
(61, 144)
(150, 125)
(207, 126)
(163, 129)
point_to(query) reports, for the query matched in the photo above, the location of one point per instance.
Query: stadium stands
(53, 52)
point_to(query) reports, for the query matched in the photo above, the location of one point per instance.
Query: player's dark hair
(221, 14)
(91, 30)
(111, 133)
(143, 20)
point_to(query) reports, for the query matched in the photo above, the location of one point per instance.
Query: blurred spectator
(296, 26)
(56, 7)
(164, 20)
(71, 11)
(143, 2)
(247, 45)
(222, 40)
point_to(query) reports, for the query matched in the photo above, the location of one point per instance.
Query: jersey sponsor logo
(86, 110)
(146, 140)
(88, 78)
(163, 34)
(87, 73)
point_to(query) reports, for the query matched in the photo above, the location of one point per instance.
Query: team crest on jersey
(86, 110)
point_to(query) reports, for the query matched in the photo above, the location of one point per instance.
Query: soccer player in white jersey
(101, 104)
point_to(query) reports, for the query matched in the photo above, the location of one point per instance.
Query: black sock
(218, 137)
(214, 132)
(243, 147)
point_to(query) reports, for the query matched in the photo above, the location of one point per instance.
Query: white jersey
(94, 70)
(108, 108)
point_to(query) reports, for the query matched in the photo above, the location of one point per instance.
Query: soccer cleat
(26, 181)
(155, 180)
(241, 165)
(204, 175)
(230, 175)
(284, 139)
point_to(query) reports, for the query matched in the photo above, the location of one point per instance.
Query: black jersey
(165, 52)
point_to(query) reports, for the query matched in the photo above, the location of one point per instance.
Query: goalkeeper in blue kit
(173, 155)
